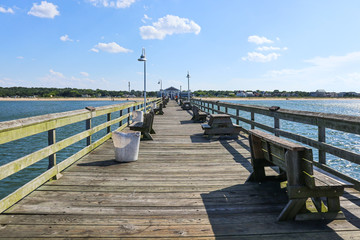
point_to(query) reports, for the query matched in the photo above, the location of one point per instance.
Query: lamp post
(188, 77)
(143, 59)
(160, 82)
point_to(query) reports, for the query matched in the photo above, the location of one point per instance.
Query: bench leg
(258, 174)
(152, 131)
(333, 204)
(291, 209)
(147, 136)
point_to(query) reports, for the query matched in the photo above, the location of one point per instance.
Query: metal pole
(188, 77)
(144, 86)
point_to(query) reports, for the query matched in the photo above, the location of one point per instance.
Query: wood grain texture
(182, 186)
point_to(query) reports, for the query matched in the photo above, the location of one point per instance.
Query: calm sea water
(340, 139)
(19, 148)
(10, 110)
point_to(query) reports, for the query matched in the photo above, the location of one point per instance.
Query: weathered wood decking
(183, 185)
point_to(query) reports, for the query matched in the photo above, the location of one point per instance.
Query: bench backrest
(293, 158)
(220, 120)
(148, 121)
(195, 110)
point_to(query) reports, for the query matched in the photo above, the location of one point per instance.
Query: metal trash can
(126, 146)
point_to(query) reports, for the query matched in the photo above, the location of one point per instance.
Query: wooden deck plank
(182, 186)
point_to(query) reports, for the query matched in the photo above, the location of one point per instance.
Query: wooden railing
(323, 121)
(21, 128)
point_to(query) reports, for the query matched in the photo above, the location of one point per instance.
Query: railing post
(109, 119)
(276, 124)
(322, 138)
(213, 111)
(88, 126)
(128, 120)
(237, 115)
(121, 113)
(51, 141)
(252, 119)
(226, 110)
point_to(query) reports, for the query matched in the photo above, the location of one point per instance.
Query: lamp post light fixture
(188, 77)
(143, 59)
(161, 91)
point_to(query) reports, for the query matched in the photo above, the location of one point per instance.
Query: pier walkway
(182, 186)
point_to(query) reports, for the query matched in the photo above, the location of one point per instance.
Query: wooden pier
(183, 186)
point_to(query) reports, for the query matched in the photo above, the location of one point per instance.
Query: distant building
(318, 93)
(241, 94)
(169, 92)
(250, 94)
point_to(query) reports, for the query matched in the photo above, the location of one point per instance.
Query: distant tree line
(68, 92)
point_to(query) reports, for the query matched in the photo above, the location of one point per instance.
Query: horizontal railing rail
(323, 121)
(21, 128)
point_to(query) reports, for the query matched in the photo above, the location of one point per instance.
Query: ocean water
(10, 110)
(16, 149)
(339, 139)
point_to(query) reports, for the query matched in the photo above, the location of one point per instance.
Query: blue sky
(226, 45)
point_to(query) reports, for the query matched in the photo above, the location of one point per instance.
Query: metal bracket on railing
(91, 109)
(274, 108)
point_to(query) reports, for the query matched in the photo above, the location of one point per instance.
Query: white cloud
(169, 25)
(259, 57)
(271, 48)
(112, 4)
(333, 73)
(9, 10)
(58, 79)
(44, 10)
(56, 74)
(85, 74)
(66, 38)
(259, 40)
(112, 47)
(20, 57)
(145, 18)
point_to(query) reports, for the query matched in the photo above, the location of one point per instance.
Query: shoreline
(71, 99)
(2, 99)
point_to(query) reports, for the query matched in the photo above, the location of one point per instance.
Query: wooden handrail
(344, 123)
(21, 128)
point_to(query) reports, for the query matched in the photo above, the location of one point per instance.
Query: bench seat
(303, 181)
(144, 127)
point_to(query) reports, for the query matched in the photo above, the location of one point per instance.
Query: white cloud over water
(332, 73)
(169, 25)
(44, 10)
(257, 56)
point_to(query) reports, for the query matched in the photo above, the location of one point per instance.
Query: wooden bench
(159, 109)
(198, 115)
(144, 127)
(304, 183)
(186, 106)
(221, 124)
